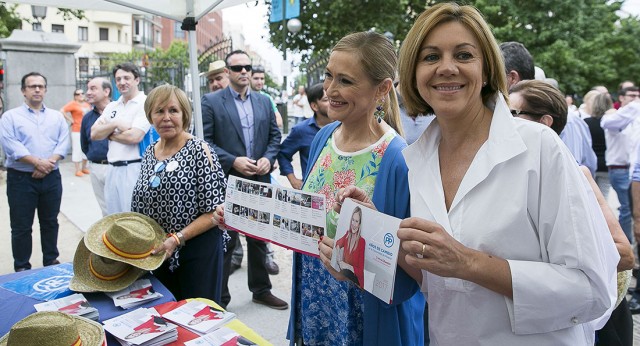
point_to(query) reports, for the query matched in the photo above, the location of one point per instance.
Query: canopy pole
(189, 24)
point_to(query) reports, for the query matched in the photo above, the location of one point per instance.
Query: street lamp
(294, 25)
(39, 13)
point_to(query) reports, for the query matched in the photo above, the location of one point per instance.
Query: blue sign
(292, 10)
(47, 284)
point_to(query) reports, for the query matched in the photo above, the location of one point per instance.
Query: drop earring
(379, 113)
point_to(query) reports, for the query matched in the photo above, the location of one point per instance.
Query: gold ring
(423, 247)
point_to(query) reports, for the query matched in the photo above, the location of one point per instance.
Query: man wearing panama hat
(217, 76)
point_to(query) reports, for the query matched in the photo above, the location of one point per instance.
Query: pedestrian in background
(34, 138)
(123, 122)
(73, 111)
(99, 96)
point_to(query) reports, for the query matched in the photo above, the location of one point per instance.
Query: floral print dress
(330, 312)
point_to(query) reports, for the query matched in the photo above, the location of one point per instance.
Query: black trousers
(26, 195)
(258, 278)
(619, 329)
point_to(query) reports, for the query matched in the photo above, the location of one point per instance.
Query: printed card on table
(75, 304)
(141, 327)
(221, 337)
(199, 317)
(291, 218)
(366, 248)
(136, 294)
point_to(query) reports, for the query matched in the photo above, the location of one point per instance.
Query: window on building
(104, 65)
(57, 28)
(36, 26)
(177, 30)
(83, 65)
(83, 34)
(158, 36)
(104, 34)
(119, 36)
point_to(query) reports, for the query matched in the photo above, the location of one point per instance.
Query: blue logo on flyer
(388, 240)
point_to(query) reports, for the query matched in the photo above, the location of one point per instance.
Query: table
(14, 307)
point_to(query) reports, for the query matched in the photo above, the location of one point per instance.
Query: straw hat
(54, 328)
(127, 237)
(92, 273)
(216, 67)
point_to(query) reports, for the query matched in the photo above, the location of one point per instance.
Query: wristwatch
(182, 240)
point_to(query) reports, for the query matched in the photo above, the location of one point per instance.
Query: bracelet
(180, 236)
(174, 236)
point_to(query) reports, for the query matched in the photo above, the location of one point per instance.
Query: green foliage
(161, 66)
(9, 19)
(581, 43)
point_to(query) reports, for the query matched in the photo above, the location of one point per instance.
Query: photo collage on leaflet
(284, 216)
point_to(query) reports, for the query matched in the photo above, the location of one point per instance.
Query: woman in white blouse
(504, 237)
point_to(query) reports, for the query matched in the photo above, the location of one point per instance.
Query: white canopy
(173, 9)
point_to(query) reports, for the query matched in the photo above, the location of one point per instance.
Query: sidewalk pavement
(79, 210)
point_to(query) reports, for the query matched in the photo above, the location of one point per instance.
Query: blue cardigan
(399, 323)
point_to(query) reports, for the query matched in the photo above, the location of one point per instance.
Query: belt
(124, 163)
(618, 167)
(101, 162)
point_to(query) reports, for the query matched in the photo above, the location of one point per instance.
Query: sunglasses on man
(238, 68)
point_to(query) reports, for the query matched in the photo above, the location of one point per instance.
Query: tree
(580, 43)
(9, 19)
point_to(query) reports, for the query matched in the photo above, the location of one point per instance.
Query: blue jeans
(26, 194)
(619, 178)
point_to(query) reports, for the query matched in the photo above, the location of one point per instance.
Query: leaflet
(136, 294)
(199, 317)
(288, 217)
(220, 337)
(75, 304)
(366, 249)
(141, 327)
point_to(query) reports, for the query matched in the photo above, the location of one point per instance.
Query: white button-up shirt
(133, 113)
(523, 199)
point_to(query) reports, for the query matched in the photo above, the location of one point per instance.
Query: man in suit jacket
(241, 127)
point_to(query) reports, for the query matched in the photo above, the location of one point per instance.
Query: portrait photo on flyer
(366, 249)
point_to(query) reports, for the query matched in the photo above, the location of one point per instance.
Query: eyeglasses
(36, 86)
(517, 113)
(154, 181)
(238, 68)
(633, 96)
(78, 94)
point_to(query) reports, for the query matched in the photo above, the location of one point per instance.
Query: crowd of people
(507, 235)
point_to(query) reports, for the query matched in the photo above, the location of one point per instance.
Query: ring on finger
(421, 254)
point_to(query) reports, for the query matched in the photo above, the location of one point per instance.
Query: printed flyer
(366, 249)
(290, 218)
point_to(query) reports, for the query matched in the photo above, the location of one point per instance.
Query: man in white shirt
(620, 144)
(124, 123)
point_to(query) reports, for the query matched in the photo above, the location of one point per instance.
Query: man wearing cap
(241, 127)
(217, 76)
(124, 123)
(98, 95)
(35, 138)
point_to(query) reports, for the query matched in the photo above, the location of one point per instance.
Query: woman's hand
(355, 193)
(218, 216)
(325, 245)
(168, 247)
(431, 248)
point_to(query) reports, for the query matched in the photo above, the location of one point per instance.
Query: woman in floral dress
(363, 150)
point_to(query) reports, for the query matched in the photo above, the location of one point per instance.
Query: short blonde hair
(160, 96)
(378, 60)
(493, 62)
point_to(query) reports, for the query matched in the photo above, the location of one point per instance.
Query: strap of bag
(205, 147)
